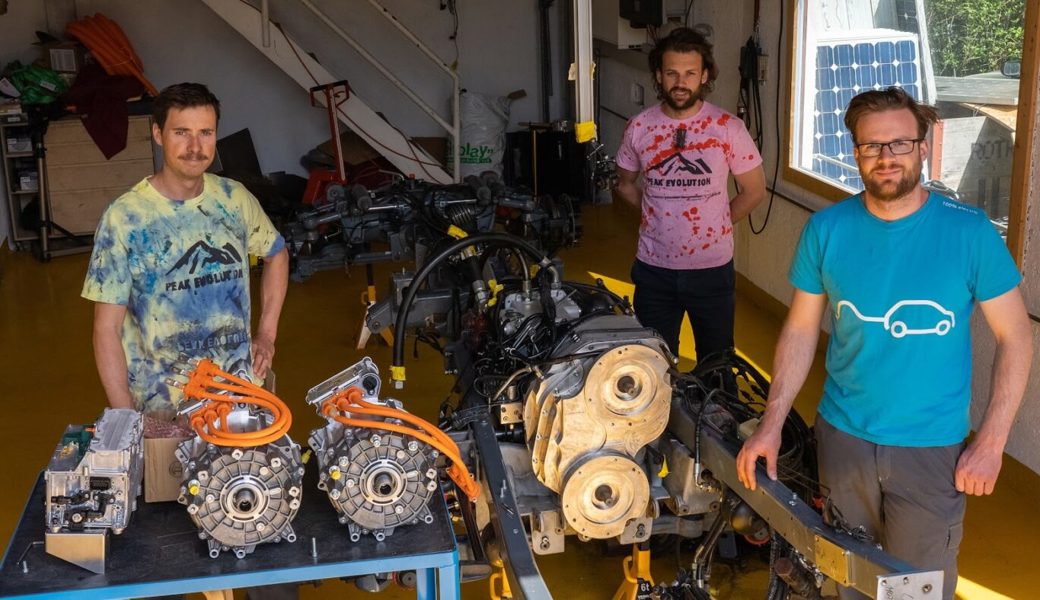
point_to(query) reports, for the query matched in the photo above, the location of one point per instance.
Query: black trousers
(708, 296)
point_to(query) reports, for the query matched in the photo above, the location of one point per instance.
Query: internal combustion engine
(243, 473)
(94, 476)
(376, 478)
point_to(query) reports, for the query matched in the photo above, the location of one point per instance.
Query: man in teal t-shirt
(901, 270)
(169, 274)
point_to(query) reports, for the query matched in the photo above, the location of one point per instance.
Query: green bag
(38, 85)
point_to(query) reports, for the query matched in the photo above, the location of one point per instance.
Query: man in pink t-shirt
(685, 148)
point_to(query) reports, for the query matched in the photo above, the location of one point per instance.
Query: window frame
(1024, 133)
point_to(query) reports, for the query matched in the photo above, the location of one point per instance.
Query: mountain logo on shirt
(202, 254)
(677, 163)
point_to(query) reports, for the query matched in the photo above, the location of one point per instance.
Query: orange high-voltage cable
(210, 422)
(349, 401)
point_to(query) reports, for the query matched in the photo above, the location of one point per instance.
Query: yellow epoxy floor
(48, 378)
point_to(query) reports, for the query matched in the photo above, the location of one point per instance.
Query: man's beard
(691, 99)
(886, 192)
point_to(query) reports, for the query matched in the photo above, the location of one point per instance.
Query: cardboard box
(63, 57)
(163, 473)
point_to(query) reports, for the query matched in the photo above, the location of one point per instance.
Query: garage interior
(519, 53)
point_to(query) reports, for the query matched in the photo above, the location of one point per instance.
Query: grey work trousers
(904, 497)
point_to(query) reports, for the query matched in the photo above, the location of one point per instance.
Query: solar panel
(845, 66)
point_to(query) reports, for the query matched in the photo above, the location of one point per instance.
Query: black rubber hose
(424, 272)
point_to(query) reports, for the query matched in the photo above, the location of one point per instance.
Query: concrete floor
(49, 381)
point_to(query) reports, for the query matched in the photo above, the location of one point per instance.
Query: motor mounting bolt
(545, 543)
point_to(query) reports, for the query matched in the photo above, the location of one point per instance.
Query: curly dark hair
(684, 39)
(892, 98)
(180, 96)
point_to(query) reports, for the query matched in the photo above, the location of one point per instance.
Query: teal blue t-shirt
(901, 295)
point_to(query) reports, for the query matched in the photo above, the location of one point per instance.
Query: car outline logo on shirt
(899, 328)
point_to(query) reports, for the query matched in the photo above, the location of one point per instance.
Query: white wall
(183, 40)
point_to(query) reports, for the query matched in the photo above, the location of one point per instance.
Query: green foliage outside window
(974, 36)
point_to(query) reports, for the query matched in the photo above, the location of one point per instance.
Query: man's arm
(109, 354)
(752, 191)
(273, 284)
(979, 464)
(794, 356)
(626, 188)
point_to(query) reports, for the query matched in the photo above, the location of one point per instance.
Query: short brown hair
(684, 39)
(181, 96)
(892, 98)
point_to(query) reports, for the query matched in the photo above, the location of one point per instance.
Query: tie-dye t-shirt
(182, 270)
(685, 164)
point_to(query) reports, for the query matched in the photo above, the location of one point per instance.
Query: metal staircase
(271, 40)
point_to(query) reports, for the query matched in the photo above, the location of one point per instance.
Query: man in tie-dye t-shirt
(685, 149)
(169, 274)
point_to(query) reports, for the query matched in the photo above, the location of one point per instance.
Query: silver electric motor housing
(93, 478)
(240, 497)
(377, 480)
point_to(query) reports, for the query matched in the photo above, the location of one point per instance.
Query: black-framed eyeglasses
(896, 147)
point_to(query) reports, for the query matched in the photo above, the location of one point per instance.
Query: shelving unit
(18, 164)
(74, 183)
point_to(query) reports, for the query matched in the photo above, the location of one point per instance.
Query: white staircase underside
(354, 113)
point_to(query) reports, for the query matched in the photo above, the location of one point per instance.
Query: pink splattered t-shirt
(685, 166)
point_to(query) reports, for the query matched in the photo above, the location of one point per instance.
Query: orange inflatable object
(110, 47)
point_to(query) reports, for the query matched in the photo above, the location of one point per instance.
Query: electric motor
(376, 479)
(241, 497)
(243, 473)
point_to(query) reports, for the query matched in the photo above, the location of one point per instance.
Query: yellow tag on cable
(396, 373)
(585, 131)
(664, 469)
(456, 232)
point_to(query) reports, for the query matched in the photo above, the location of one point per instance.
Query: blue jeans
(707, 296)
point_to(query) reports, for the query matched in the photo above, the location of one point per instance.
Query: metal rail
(452, 128)
(841, 557)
